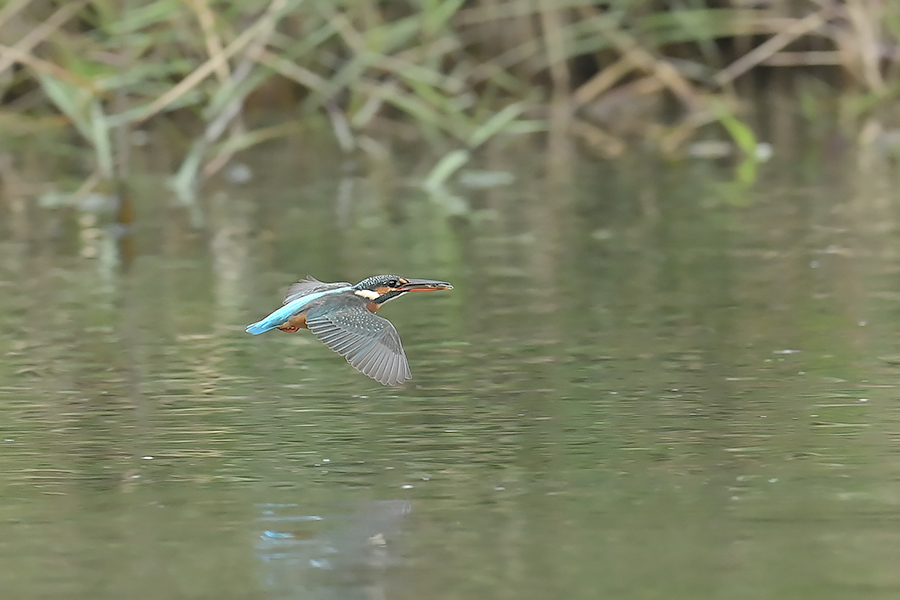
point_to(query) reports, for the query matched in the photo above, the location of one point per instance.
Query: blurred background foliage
(681, 77)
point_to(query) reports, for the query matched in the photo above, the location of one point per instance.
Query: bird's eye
(392, 283)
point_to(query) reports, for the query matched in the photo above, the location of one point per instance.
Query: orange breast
(372, 306)
(294, 323)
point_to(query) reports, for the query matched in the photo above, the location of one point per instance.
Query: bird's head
(381, 288)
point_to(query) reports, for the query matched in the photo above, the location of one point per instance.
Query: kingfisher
(343, 317)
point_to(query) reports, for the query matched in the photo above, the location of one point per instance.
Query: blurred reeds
(455, 73)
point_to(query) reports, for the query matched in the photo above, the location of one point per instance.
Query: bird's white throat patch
(367, 294)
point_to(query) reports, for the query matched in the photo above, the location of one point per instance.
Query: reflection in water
(345, 555)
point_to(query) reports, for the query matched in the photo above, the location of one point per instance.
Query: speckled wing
(308, 286)
(369, 343)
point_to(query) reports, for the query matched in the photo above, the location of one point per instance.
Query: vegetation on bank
(456, 73)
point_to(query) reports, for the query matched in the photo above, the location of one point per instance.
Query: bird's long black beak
(425, 285)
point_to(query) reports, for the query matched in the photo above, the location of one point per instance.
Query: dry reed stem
(210, 36)
(42, 66)
(560, 113)
(643, 59)
(552, 25)
(488, 12)
(373, 104)
(746, 62)
(662, 69)
(348, 33)
(828, 58)
(232, 109)
(599, 140)
(867, 41)
(87, 186)
(308, 79)
(8, 11)
(677, 136)
(401, 63)
(342, 130)
(601, 82)
(516, 55)
(38, 34)
(203, 71)
(213, 42)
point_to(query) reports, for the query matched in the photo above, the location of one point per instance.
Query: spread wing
(309, 286)
(369, 343)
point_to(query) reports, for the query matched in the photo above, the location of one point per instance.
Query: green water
(648, 382)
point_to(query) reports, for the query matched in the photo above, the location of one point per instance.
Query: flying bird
(343, 317)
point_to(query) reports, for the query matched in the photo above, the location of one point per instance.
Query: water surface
(648, 382)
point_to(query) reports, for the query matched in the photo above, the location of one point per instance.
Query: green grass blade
(496, 123)
(445, 168)
(739, 131)
(101, 140)
(71, 100)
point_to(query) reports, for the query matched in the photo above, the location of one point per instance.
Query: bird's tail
(281, 316)
(259, 327)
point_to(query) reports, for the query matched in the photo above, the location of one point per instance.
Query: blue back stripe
(281, 316)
